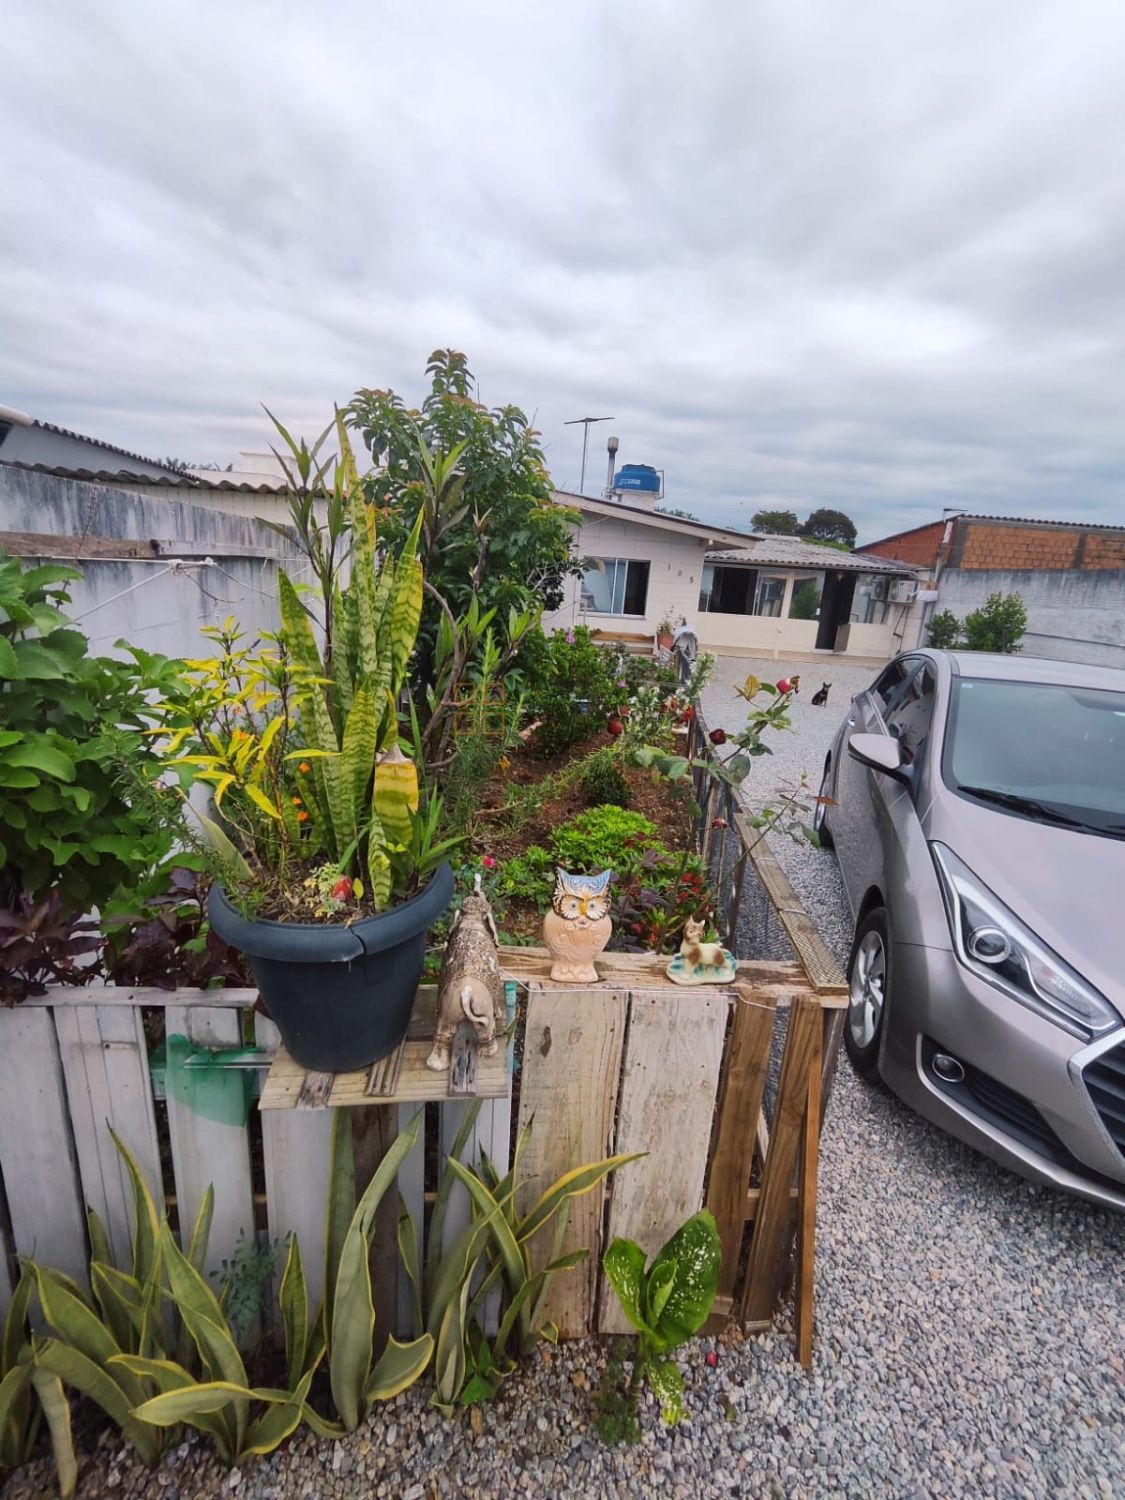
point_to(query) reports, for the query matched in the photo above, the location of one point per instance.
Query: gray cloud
(862, 255)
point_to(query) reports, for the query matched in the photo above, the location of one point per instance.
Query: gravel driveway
(970, 1330)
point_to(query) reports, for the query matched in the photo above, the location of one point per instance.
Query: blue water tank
(637, 477)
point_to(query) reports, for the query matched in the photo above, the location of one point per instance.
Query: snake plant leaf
(515, 1266)
(99, 1239)
(122, 1302)
(695, 1250)
(201, 1230)
(406, 1234)
(340, 1205)
(184, 1403)
(207, 1327)
(457, 1266)
(316, 720)
(15, 1415)
(571, 1184)
(624, 1264)
(378, 863)
(74, 1369)
(445, 1187)
(146, 1220)
(398, 1366)
(293, 1296)
(280, 1421)
(76, 1323)
(395, 795)
(165, 1374)
(56, 1411)
(667, 1382)
(15, 1324)
(357, 756)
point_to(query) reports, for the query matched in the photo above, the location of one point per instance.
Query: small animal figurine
(578, 925)
(795, 683)
(820, 697)
(698, 962)
(470, 988)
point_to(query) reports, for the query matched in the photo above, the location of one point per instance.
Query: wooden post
(806, 1219)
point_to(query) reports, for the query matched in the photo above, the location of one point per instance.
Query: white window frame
(618, 567)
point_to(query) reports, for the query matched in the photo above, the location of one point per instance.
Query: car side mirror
(880, 752)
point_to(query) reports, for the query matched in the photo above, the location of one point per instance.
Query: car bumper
(1022, 1101)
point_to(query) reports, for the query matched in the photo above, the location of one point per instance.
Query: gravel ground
(969, 1333)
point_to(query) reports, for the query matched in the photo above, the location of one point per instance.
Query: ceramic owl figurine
(578, 925)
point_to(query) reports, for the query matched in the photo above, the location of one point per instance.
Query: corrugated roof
(171, 480)
(791, 552)
(82, 437)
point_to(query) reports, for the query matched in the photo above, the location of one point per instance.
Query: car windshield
(1040, 750)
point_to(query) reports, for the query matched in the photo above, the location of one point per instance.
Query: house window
(741, 591)
(615, 586)
(805, 601)
(771, 592)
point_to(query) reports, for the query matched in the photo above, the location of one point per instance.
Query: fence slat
(295, 1148)
(571, 1071)
(806, 1219)
(673, 1056)
(744, 1080)
(105, 1064)
(772, 1222)
(207, 1122)
(37, 1146)
(5, 1274)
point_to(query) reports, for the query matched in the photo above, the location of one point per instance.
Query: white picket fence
(77, 1060)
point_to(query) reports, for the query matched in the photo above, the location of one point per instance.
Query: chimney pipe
(612, 446)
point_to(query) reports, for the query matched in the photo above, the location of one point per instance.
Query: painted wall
(141, 601)
(38, 445)
(1071, 615)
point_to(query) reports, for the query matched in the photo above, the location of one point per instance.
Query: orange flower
(302, 817)
(304, 768)
(296, 801)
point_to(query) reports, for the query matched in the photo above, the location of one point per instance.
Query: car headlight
(991, 940)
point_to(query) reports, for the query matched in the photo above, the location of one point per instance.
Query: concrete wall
(1071, 615)
(141, 601)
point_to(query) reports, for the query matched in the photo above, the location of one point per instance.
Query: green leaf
(410, 1254)
(74, 1369)
(572, 1184)
(280, 1421)
(340, 1204)
(624, 1265)
(9, 661)
(658, 1288)
(294, 1298)
(56, 1409)
(668, 1384)
(398, 1366)
(41, 757)
(445, 1186)
(696, 1251)
(146, 1220)
(201, 1230)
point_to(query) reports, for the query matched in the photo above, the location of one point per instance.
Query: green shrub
(944, 630)
(602, 781)
(604, 838)
(997, 625)
(575, 691)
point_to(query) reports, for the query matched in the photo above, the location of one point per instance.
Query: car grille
(1105, 1083)
(997, 1102)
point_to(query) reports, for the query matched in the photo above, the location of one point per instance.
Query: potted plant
(664, 634)
(331, 870)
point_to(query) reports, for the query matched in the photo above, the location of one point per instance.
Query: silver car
(978, 813)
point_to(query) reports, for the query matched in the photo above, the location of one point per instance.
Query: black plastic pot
(340, 996)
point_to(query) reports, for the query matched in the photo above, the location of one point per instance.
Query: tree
(997, 625)
(672, 510)
(826, 525)
(776, 522)
(944, 630)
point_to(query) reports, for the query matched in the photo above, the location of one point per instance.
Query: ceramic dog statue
(698, 962)
(470, 988)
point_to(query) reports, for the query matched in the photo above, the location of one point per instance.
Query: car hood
(1065, 885)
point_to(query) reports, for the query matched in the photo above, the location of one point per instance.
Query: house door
(835, 608)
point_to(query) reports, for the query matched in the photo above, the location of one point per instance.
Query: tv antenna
(584, 423)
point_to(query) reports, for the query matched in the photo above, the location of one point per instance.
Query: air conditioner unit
(904, 590)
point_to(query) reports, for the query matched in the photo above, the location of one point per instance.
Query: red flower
(614, 726)
(687, 715)
(783, 685)
(712, 1358)
(718, 822)
(342, 890)
(718, 736)
(488, 862)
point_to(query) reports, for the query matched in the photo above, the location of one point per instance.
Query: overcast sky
(866, 254)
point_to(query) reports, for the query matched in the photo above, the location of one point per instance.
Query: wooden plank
(673, 1056)
(36, 1144)
(772, 1224)
(210, 1140)
(646, 971)
(416, 1084)
(569, 1086)
(295, 1149)
(834, 1023)
(105, 1064)
(41, 544)
(745, 1069)
(806, 1219)
(5, 1274)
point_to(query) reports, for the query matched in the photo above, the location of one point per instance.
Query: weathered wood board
(105, 1065)
(670, 1077)
(568, 1091)
(36, 1145)
(417, 1084)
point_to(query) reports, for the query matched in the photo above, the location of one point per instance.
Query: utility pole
(584, 423)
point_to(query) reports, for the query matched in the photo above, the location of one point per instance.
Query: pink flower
(488, 862)
(570, 637)
(712, 1358)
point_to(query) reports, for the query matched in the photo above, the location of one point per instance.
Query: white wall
(675, 565)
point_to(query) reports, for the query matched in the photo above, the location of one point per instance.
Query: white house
(743, 595)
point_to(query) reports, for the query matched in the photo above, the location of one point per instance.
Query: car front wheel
(869, 973)
(820, 812)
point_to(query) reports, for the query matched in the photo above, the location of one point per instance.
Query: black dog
(819, 699)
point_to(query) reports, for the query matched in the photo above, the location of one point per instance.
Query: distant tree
(180, 465)
(829, 526)
(944, 630)
(997, 626)
(671, 510)
(776, 522)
